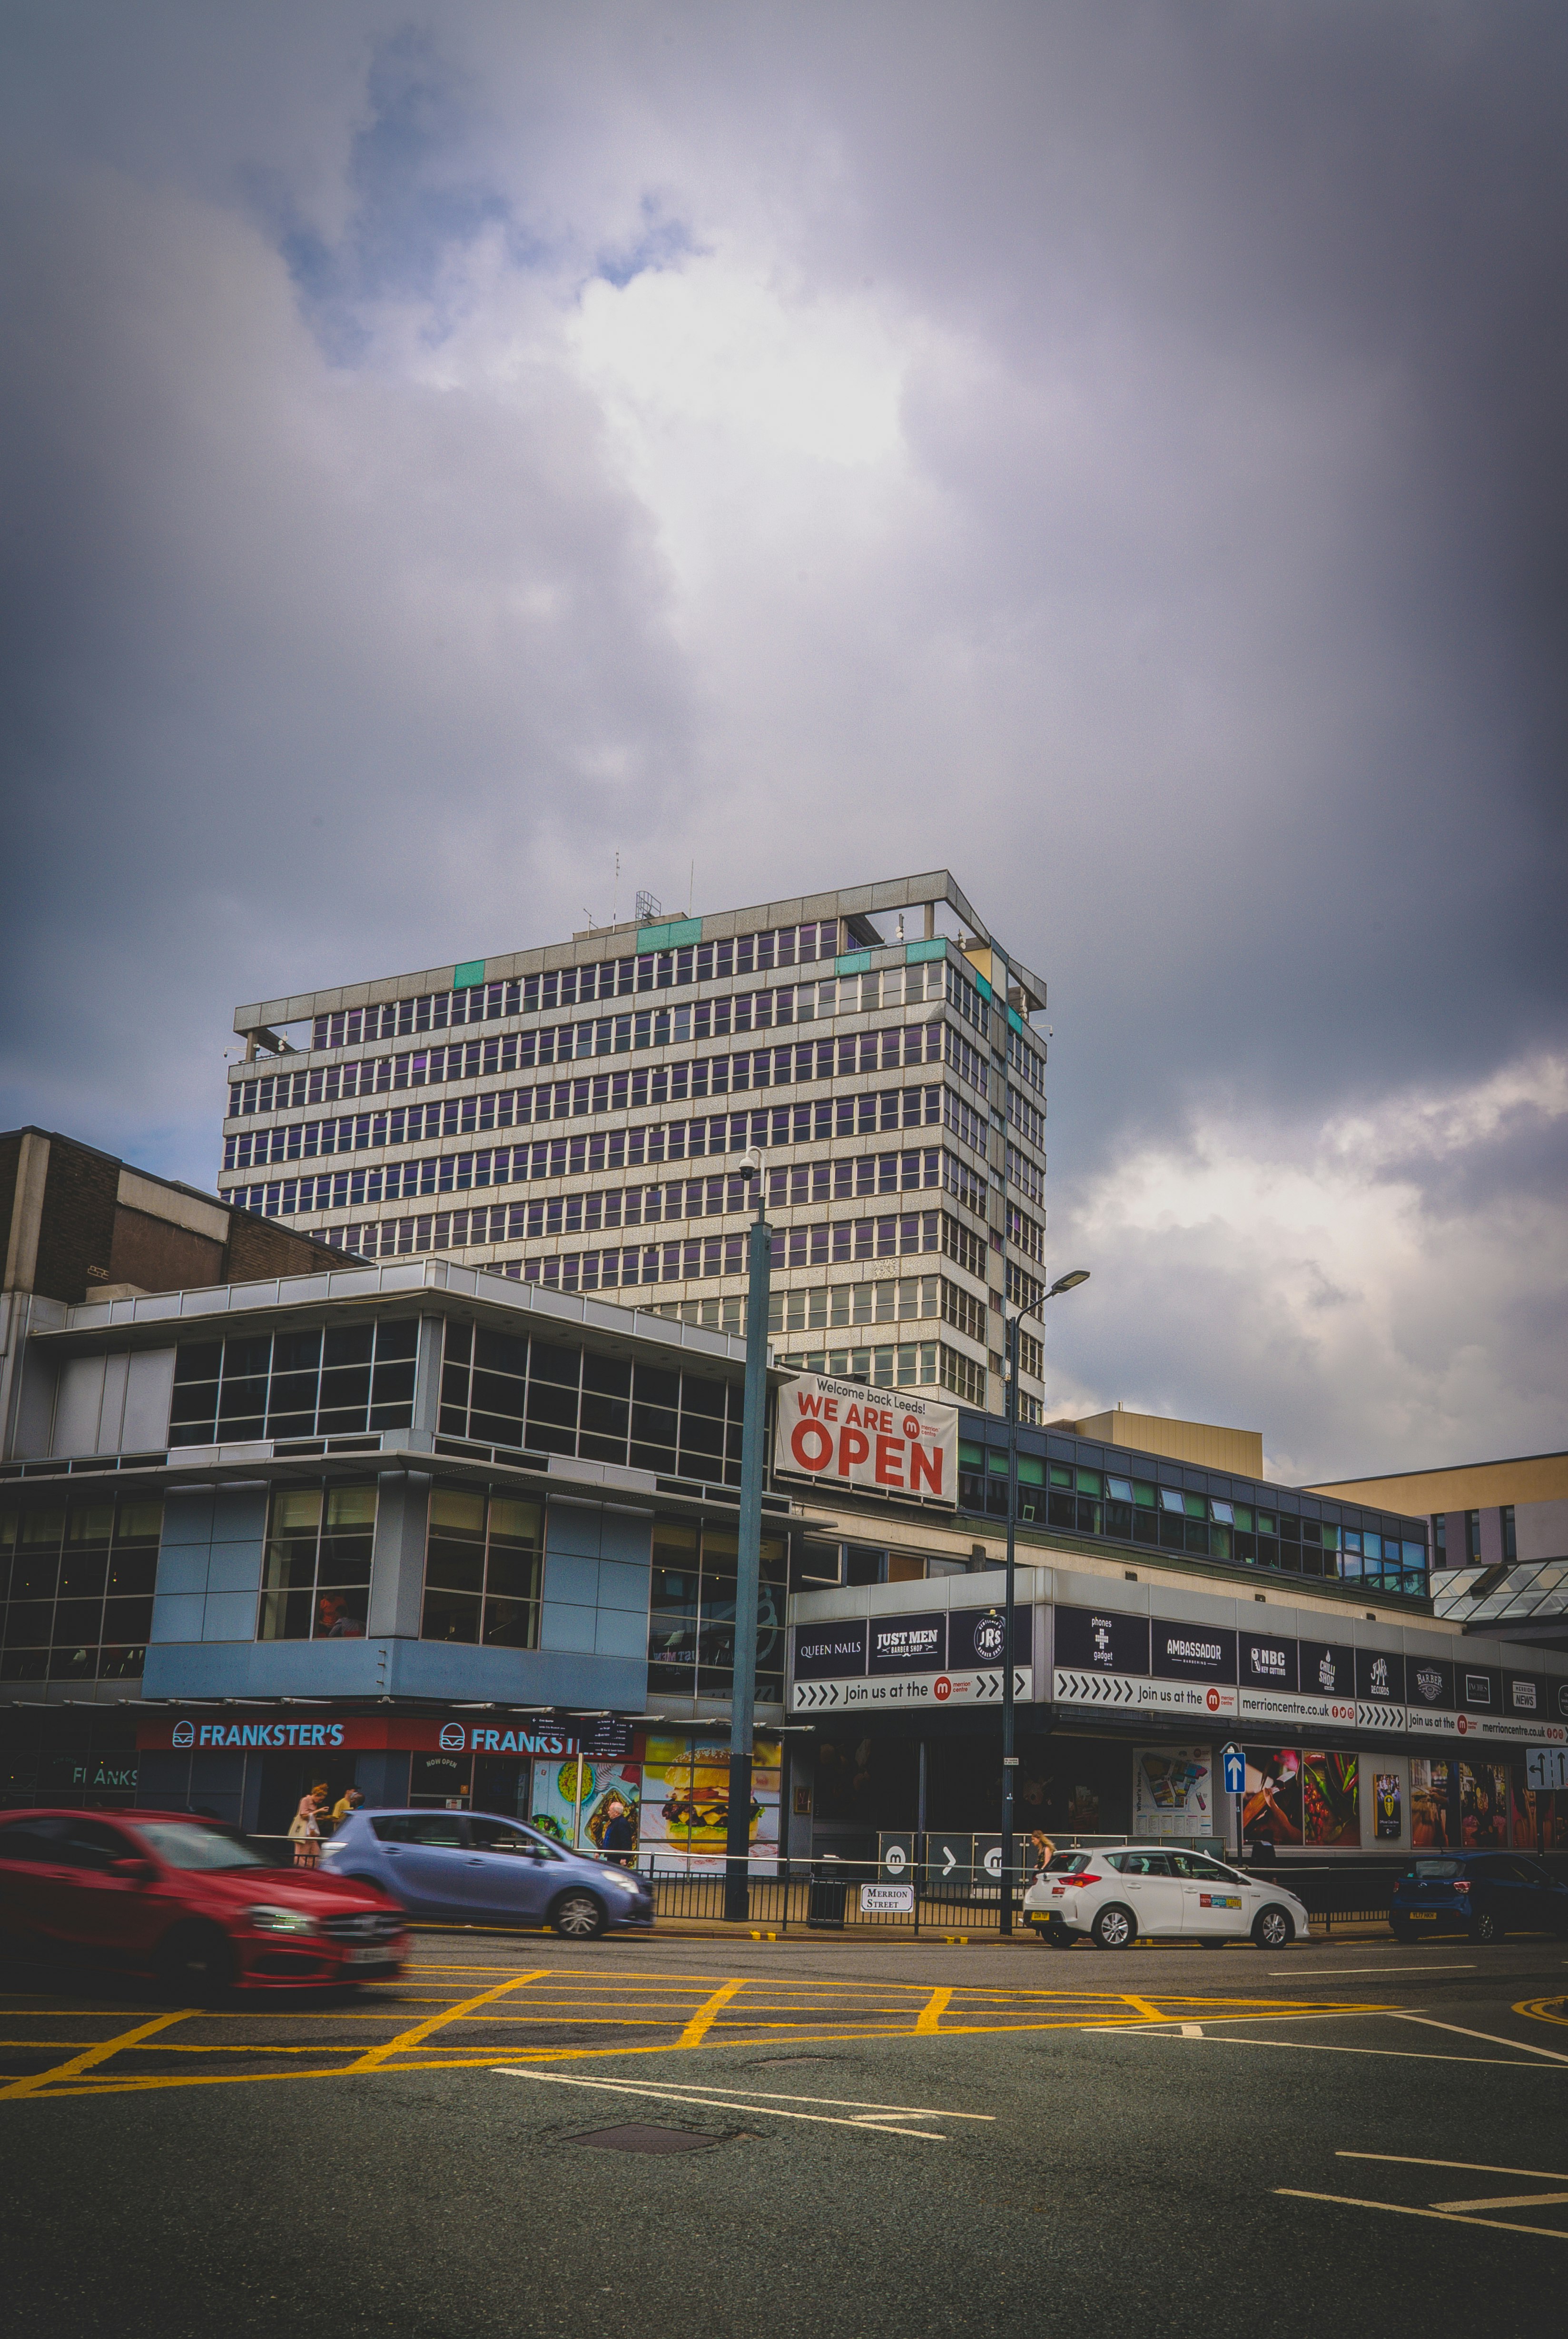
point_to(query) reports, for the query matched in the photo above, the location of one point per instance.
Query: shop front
(569, 1776)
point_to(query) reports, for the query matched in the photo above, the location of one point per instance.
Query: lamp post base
(737, 1841)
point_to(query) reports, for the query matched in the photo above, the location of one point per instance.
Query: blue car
(1482, 1894)
(466, 1868)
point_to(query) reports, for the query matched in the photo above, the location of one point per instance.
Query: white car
(1114, 1896)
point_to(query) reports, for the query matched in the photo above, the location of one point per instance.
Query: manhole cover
(648, 2139)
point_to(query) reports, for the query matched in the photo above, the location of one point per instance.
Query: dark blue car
(1482, 1894)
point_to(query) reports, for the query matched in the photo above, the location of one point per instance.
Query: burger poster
(687, 1800)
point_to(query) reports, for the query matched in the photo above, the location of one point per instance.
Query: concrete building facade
(571, 1116)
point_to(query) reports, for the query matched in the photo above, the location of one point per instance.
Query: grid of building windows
(662, 1031)
(505, 1389)
(692, 1613)
(348, 1381)
(1139, 1502)
(76, 1589)
(316, 1567)
(484, 1568)
(908, 1364)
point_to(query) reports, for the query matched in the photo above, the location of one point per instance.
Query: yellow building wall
(1467, 1486)
(1202, 1443)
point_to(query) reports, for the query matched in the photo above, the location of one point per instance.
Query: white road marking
(1192, 2030)
(698, 2088)
(1275, 1971)
(1476, 2168)
(1320, 2046)
(873, 2123)
(1444, 2217)
(1524, 2045)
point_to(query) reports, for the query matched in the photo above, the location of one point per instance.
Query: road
(847, 2139)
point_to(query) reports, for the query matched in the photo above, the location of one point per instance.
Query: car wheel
(195, 1961)
(578, 1916)
(1115, 1927)
(1272, 1929)
(1484, 1927)
(1057, 1937)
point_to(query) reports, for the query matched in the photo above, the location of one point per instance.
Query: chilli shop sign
(846, 1436)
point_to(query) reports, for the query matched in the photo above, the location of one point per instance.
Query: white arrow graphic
(949, 1863)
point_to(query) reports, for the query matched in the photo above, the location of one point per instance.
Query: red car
(189, 1899)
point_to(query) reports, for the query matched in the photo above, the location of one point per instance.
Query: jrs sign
(846, 1436)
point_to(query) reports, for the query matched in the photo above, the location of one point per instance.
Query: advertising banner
(1429, 1825)
(1483, 1805)
(1090, 1641)
(1199, 1652)
(1330, 1798)
(686, 1791)
(908, 1644)
(1386, 1801)
(1268, 1661)
(830, 1652)
(1173, 1792)
(1271, 1799)
(843, 1435)
(555, 1807)
(421, 1732)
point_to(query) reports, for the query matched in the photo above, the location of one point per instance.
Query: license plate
(1424, 1916)
(378, 1956)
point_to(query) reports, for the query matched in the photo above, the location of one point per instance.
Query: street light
(1069, 1282)
(748, 1555)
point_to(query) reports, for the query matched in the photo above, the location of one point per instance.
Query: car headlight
(627, 1884)
(267, 1918)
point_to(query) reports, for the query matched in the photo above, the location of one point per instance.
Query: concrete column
(397, 1557)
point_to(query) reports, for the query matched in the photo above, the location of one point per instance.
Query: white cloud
(1357, 1294)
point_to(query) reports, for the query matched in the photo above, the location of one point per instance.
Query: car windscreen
(1430, 1869)
(187, 1844)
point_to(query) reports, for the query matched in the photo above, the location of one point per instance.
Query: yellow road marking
(1444, 2217)
(375, 2056)
(1544, 2010)
(91, 2055)
(702, 2021)
(931, 2014)
(1151, 2013)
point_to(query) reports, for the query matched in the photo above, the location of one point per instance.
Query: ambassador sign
(846, 1436)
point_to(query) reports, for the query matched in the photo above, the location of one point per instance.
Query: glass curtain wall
(316, 1574)
(350, 1380)
(505, 1389)
(484, 1569)
(76, 1590)
(692, 1613)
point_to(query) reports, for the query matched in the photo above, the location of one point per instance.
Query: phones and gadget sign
(844, 1435)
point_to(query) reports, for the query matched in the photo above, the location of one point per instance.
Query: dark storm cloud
(404, 513)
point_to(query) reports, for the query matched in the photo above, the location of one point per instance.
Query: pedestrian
(619, 1839)
(1044, 1851)
(347, 1804)
(305, 1833)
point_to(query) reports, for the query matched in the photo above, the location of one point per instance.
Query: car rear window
(1428, 1871)
(1068, 1864)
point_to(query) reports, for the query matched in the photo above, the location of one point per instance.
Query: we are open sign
(846, 1436)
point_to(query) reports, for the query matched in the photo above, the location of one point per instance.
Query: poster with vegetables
(687, 1800)
(1271, 1796)
(554, 1808)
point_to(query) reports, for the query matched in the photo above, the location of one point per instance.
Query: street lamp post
(748, 1557)
(1008, 1758)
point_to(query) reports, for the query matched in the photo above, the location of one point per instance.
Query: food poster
(1173, 1792)
(1331, 1799)
(1271, 1799)
(1386, 1803)
(1540, 1819)
(1429, 1828)
(686, 1797)
(1483, 1805)
(553, 1803)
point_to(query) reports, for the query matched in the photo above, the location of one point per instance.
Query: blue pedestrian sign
(1235, 1762)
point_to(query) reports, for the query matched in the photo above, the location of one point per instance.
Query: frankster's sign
(846, 1436)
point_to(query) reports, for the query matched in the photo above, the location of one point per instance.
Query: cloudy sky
(1113, 451)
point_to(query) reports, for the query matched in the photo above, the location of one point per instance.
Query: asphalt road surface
(662, 2137)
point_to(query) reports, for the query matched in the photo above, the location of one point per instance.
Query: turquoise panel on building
(925, 950)
(470, 975)
(853, 961)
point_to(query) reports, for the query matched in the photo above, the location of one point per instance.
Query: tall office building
(572, 1115)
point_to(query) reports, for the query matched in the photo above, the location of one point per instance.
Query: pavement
(726, 2136)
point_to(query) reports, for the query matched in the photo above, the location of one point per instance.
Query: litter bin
(824, 1903)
